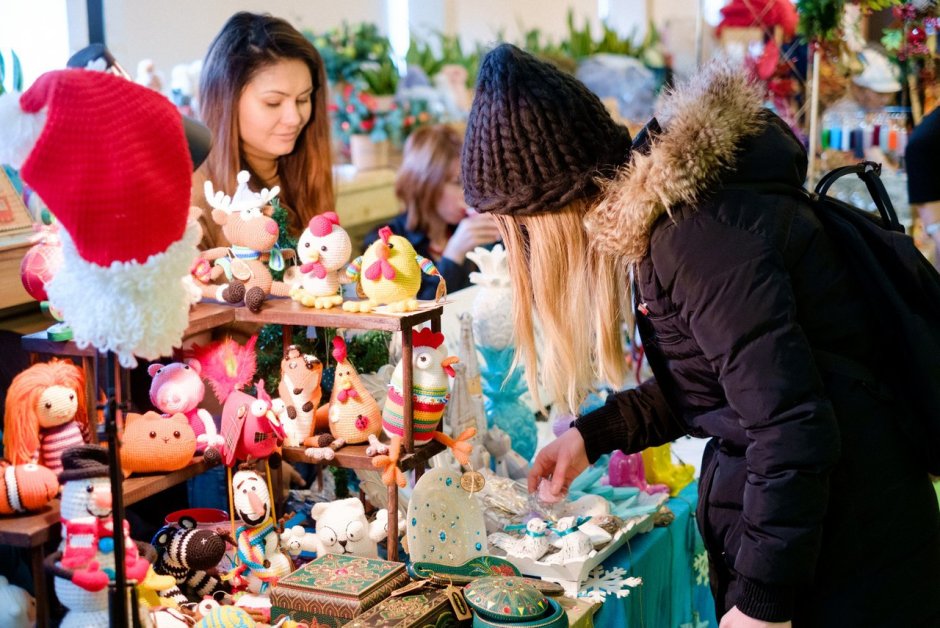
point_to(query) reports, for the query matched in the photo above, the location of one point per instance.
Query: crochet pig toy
(177, 388)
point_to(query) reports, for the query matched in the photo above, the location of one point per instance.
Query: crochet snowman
(87, 546)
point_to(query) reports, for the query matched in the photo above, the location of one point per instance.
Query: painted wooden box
(427, 607)
(332, 589)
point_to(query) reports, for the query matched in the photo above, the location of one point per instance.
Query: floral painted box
(426, 607)
(332, 589)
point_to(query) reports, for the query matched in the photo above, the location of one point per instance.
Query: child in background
(436, 219)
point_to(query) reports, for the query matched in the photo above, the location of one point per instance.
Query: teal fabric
(671, 596)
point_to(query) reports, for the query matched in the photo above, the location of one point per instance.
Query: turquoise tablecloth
(673, 593)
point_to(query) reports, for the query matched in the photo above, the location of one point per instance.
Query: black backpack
(902, 287)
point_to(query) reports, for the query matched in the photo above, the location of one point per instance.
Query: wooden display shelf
(288, 312)
(202, 317)
(35, 529)
(354, 457)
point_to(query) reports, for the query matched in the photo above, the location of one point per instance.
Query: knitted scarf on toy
(250, 542)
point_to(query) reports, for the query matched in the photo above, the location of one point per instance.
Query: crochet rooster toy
(323, 250)
(354, 416)
(389, 273)
(253, 234)
(430, 391)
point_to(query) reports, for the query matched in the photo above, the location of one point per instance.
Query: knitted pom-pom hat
(110, 159)
(537, 138)
(83, 462)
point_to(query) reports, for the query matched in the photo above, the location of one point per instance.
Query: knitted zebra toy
(188, 553)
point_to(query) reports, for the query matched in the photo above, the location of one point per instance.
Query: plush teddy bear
(342, 528)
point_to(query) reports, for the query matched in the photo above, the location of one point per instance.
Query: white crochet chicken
(323, 249)
(430, 388)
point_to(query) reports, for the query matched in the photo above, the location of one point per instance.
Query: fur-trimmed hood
(706, 123)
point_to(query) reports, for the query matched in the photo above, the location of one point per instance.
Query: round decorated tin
(506, 599)
(555, 617)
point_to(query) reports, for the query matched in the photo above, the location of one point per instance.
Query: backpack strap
(867, 171)
(870, 173)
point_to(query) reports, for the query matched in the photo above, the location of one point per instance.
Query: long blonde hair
(579, 297)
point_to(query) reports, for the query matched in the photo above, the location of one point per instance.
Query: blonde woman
(753, 329)
(436, 219)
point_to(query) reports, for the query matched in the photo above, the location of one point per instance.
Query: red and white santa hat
(110, 160)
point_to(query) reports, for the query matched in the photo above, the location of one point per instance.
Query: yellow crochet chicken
(389, 273)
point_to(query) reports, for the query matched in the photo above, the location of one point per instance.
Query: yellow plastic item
(660, 469)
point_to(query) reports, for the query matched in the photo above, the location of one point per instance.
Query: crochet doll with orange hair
(45, 414)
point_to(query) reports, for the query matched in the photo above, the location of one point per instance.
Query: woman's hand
(563, 460)
(736, 619)
(473, 231)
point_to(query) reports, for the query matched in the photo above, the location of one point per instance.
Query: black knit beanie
(537, 138)
(923, 184)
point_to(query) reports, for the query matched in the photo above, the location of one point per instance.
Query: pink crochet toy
(323, 250)
(177, 388)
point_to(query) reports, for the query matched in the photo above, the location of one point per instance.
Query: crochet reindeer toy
(253, 234)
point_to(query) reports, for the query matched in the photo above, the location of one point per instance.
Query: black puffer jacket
(812, 505)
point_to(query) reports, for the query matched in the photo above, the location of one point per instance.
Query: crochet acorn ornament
(26, 488)
(389, 273)
(323, 250)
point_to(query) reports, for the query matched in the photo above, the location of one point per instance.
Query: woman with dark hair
(263, 96)
(436, 219)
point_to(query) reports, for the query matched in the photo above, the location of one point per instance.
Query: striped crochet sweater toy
(430, 388)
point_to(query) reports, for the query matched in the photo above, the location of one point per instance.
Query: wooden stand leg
(393, 522)
(91, 396)
(407, 380)
(43, 603)
(319, 477)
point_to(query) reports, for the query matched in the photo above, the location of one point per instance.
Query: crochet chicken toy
(323, 250)
(354, 416)
(430, 390)
(389, 273)
(253, 235)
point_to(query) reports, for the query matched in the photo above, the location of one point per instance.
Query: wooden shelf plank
(289, 312)
(354, 456)
(31, 530)
(203, 317)
(35, 529)
(138, 487)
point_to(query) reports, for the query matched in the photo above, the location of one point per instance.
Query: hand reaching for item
(563, 460)
(473, 231)
(736, 619)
